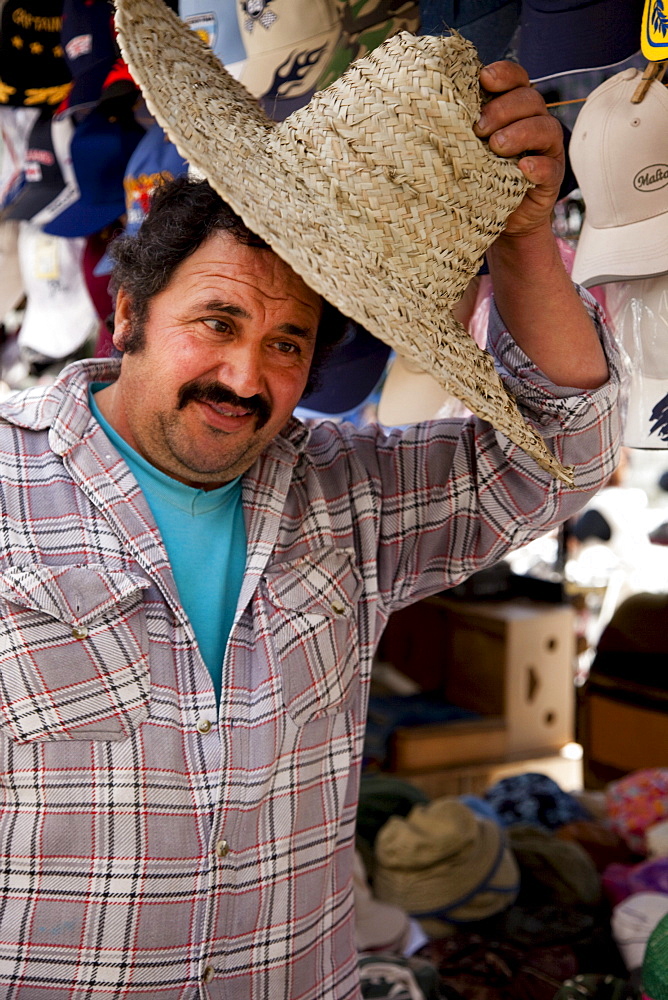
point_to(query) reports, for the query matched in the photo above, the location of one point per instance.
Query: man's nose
(241, 369)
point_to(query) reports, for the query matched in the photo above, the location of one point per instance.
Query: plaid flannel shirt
(154, 849)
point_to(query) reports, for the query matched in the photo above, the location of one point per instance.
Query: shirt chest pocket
(312, 617)
(73, 653)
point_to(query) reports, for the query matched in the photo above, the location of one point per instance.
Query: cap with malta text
(619, 156)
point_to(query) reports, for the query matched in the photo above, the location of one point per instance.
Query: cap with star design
(33, 69)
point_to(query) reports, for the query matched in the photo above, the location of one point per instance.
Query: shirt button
(203, 725)
(79, 631)
(208, 974)
(222, 848)
(338, 608)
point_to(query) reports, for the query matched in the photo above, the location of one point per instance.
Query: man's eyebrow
(290, 329)
(305, 332)
(218, 305)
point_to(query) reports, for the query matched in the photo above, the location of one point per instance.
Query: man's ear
(122, 320)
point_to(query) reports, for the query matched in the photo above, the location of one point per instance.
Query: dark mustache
(220, 394)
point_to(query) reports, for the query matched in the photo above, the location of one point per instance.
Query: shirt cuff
(550, 405)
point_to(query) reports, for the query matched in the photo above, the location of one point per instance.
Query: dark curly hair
(182, 215)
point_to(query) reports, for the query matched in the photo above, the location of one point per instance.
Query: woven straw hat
(377, 193)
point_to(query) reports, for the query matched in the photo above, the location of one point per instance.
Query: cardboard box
(510, 660)
(515, 659)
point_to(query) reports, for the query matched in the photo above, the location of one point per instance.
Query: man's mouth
(225, 402)
(226, 411)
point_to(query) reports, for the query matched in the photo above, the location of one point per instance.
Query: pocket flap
(74, 594)
(325, 582)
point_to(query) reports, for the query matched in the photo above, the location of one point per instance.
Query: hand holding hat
(516, 122)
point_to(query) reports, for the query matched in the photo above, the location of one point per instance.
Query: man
(172, 831)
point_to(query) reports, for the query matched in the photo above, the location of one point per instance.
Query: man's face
(225, 357)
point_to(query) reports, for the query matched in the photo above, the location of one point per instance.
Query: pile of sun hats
(443, 863)
(533, 798)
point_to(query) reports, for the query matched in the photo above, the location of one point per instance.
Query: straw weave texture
(377, 193)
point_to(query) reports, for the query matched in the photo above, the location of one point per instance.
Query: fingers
(515, 105)
(540, 134)
(505, 75)
(516, 121)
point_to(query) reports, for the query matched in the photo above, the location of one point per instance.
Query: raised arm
(534, 294)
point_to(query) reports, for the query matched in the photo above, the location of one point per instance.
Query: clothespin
(653, 71)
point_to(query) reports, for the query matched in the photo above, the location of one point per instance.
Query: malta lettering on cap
(654, 32)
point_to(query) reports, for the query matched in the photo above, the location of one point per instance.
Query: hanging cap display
(410, 395)
(383, 206)
(59, 315)
(11, 282)
(570, 36)
(33, 70)
(619, 156)
(352, 373)
(154, 161)
(87, 37)
(278, 49)
(50, 185)
(100, 152)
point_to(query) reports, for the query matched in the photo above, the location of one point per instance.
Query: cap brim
(104, 266)
(31, 199)
(636, 250)
(305, 198)
(574, 37)
(84, 219)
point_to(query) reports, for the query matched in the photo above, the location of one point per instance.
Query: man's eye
(286, 347)
(217, 325)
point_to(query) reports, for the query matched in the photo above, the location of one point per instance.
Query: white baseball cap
(619, 155)
(638, 313)
(60, 316)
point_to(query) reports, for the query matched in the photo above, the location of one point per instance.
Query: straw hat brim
(359, 192)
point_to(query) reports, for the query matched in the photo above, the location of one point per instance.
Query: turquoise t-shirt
(205, 537)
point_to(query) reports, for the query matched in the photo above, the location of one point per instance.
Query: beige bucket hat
(378, 193)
